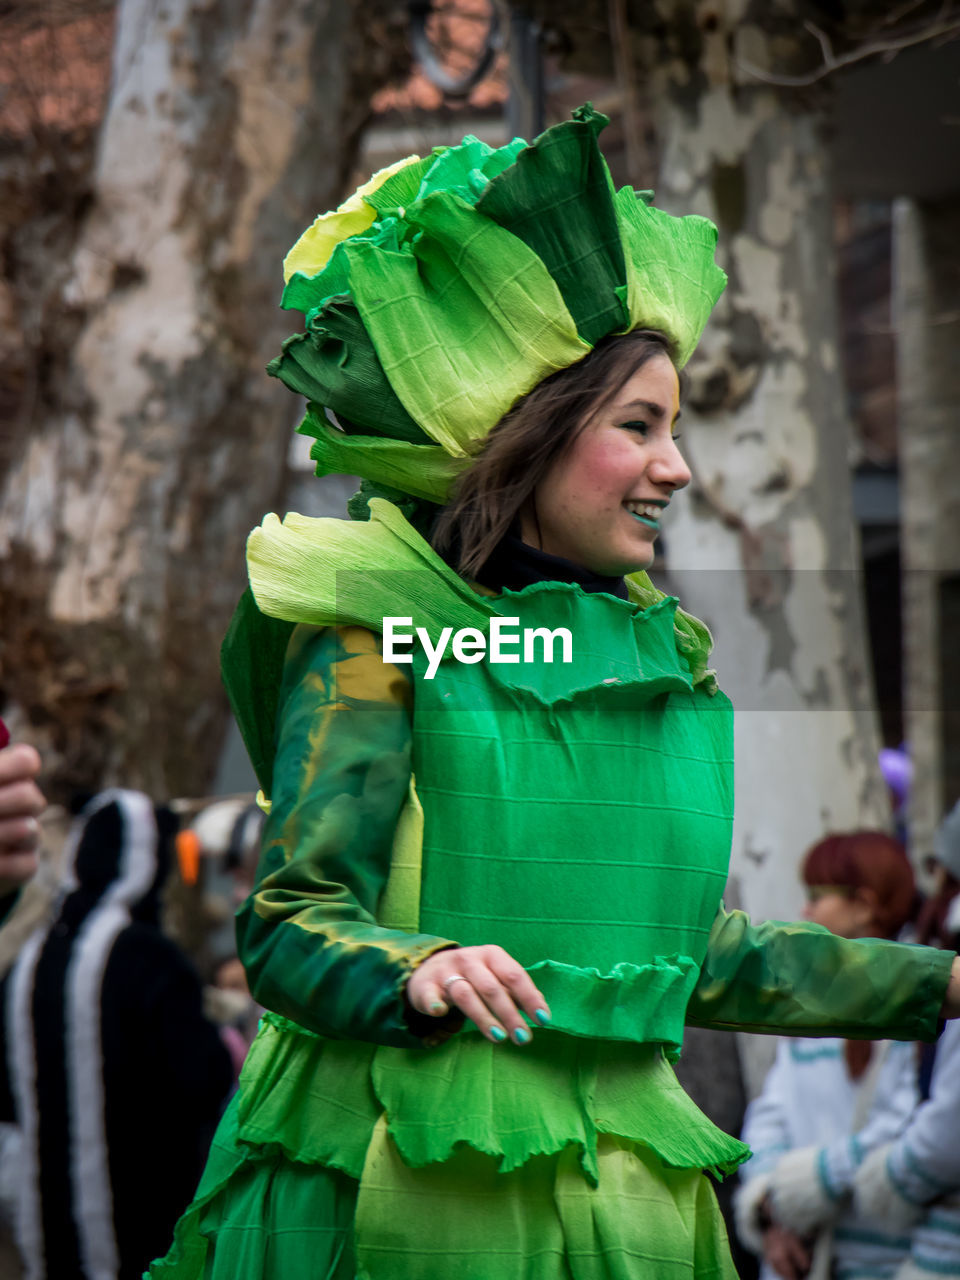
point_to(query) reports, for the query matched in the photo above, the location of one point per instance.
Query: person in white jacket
(827, 1103)
(913, 1183)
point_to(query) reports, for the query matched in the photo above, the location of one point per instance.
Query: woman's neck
(515, 564)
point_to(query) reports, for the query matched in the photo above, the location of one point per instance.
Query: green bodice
(579, 814)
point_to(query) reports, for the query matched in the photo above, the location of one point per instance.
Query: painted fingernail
(522, 1035)
(541, 1016)
(498, 1035)
(438, 1007)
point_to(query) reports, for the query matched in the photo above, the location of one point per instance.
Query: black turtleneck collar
(514, 565)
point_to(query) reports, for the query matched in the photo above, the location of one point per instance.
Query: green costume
(578, 814)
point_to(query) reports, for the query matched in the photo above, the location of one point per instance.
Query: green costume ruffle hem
(329, 1105)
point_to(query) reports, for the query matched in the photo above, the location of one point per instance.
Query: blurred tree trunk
(764, 545)
(926, 289)
(142, 438)
(766, 548)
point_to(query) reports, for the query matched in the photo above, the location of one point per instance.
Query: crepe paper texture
(318, 571)
(450, 285)
(327, 572)
(315, 246)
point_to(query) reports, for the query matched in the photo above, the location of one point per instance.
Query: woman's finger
(496, 999)
(424, 989)
(462, 993)
(426, 996)
(520, 986)
(481, 982)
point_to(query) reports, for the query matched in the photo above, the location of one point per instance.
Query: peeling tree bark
(765, 549)
(764, 545)
(146, 438)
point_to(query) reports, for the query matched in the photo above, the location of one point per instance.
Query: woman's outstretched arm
(800, 979)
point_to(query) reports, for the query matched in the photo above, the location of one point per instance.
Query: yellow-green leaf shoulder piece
(329, 572)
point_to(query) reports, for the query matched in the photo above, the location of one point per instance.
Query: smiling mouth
(647, 513)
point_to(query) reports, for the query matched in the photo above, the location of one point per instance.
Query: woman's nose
(670, 468)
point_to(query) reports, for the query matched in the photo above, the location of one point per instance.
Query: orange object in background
(188, 856)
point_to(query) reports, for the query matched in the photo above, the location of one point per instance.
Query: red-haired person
(827, 1103)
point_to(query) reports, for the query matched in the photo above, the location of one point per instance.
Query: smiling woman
(489, 894)
(600, 503)
(574, 463)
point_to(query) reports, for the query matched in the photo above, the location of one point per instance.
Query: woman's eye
(642, 427)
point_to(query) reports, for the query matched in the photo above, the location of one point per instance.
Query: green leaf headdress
(449, 286)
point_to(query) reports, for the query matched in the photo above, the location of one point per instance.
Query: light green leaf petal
(311, 252)
(672, 279)
(319, 571)
(465, 319)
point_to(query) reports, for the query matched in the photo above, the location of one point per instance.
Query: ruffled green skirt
(472, 1162)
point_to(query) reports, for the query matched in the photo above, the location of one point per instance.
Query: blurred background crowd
(155, 164)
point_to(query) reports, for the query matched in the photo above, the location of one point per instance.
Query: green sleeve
(800, 979)
(308, 934)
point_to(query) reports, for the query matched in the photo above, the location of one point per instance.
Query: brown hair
(867, 860)
(523, 445)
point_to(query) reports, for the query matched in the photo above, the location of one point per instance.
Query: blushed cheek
(600, 481)
(614, 471)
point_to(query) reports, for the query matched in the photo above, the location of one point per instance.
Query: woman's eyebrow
(655, 410)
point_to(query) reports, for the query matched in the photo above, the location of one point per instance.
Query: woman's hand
(786, 1253)
(951, 1001)
(21, 803)
(485, 984)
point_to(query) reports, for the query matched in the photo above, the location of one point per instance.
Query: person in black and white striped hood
(109, 1067)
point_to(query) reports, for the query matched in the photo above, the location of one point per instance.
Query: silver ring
(454, 977)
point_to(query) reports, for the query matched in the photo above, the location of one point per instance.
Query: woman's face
(600, 504)
(847, 914)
